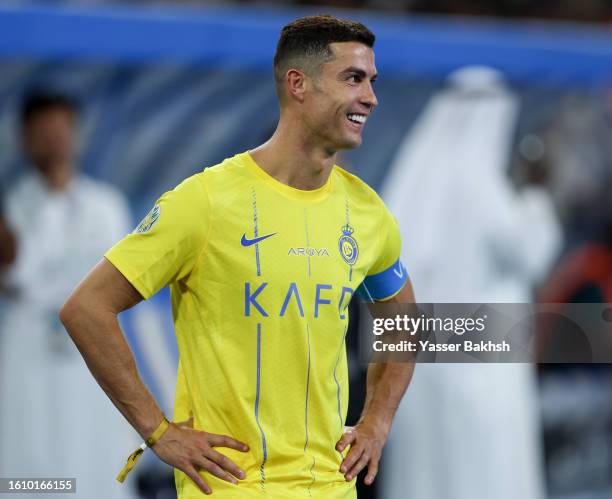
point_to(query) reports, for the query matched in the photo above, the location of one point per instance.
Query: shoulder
(24, 197)
(357, 189)
(225, 182)
(24, 187)
(99, 189)
(201, 189)
(228, 171)
(103, 204)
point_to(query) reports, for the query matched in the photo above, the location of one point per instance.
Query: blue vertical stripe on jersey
(307, 240)
(257, 397)
(307, 387)
(336, 378)
(255, 231)
(306, 415)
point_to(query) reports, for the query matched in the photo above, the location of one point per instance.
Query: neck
(294, 158)
(57, 177)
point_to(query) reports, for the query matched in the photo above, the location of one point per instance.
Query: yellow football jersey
(261, 275)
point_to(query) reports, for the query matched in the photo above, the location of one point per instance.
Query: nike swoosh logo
(249, 242)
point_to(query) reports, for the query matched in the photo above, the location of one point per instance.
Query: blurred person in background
(57, 223)
(468, 431)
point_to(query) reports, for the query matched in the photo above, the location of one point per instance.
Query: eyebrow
(360, 72)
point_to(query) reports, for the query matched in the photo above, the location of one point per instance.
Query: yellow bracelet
(149, 442)
(157, 434)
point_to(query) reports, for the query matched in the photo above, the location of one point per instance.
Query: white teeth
(357, 118)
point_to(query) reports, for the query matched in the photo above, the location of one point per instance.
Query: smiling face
(339, 98)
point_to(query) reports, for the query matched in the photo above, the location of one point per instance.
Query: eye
(354, 78)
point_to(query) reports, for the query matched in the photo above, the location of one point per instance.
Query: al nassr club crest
(349, 250)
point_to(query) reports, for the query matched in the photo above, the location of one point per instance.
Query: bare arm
(90, 317)
(386, 384)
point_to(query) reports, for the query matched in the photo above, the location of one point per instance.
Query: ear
(296, 84)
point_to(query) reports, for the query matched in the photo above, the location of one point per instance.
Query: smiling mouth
(356, 118)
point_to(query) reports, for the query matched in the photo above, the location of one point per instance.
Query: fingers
(191, 450)
(226, 463)
(359, 465)
(192, 473)
(218, 464)
(372, 471)
(356, 460)
(353, 457)
(225, 441)
(214, 469)
(347, 439)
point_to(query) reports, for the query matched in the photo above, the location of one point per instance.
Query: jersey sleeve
(166, 245)
(387, 275)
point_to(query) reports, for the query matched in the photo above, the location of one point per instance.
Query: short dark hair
(304, 43)
(37, 101)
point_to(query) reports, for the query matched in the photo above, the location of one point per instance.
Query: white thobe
(55, 421)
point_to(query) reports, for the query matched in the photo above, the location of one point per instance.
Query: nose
(369, 97)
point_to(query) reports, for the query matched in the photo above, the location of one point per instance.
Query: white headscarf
(462, 221)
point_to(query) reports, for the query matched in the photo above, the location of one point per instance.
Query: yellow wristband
(157, 434)
(149, 442)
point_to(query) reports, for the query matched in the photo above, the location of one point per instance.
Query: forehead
(50, 114)
(351, 54)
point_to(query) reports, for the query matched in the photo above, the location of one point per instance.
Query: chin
(349, 142)
(352, 144)
(342, 143)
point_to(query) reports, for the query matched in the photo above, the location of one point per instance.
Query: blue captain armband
(385, 284)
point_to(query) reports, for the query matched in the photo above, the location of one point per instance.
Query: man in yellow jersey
(263, 253)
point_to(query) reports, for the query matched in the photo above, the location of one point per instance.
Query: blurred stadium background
(167, 88)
